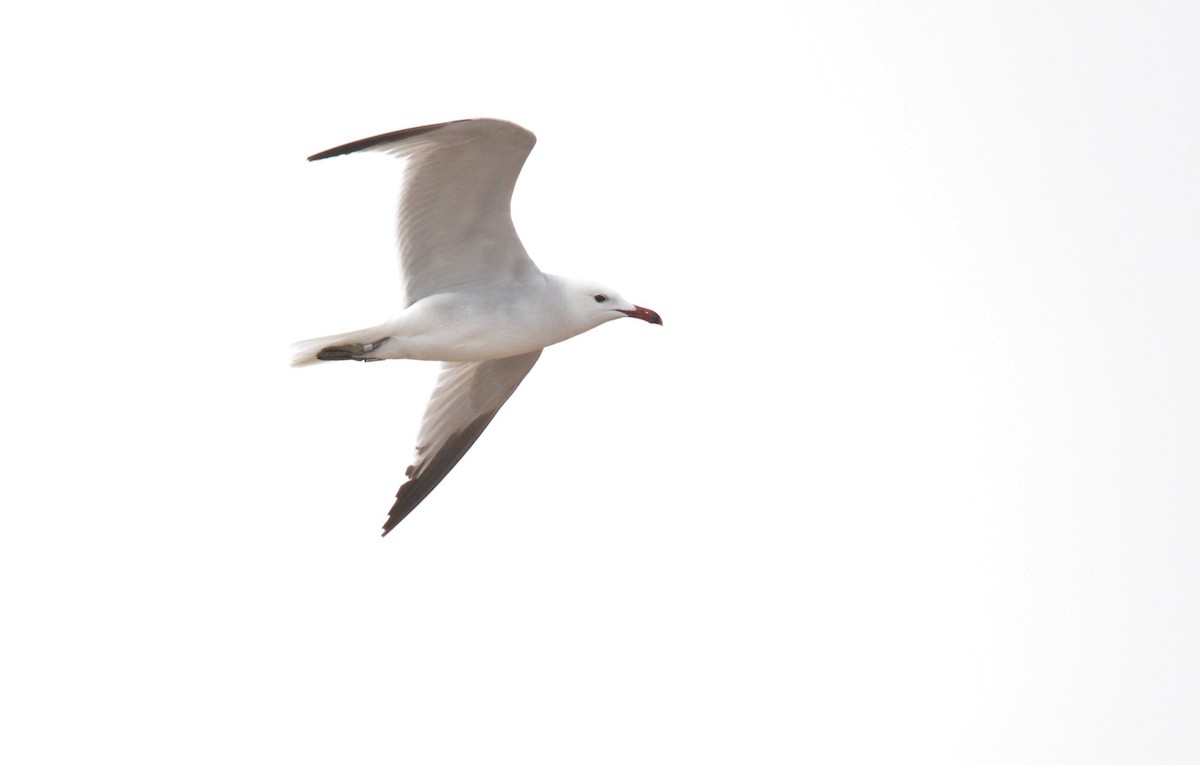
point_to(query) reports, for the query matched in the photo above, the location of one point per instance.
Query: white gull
(472, 297)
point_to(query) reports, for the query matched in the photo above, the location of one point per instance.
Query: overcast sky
(910, 475)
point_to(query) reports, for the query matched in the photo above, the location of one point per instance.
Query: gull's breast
(469, 327)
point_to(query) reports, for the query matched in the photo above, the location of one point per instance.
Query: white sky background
(910, 474)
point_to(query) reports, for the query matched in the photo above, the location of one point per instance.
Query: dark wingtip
(394, 518)
(413, 491)
(375, 140)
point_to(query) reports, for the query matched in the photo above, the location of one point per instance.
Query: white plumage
(472, 297)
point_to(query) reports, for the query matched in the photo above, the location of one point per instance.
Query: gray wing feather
(454, 221)
(465, 399)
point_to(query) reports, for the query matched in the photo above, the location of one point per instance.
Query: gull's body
(494, 322)
(473, 298)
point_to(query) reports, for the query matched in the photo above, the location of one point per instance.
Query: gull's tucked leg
(353, 351)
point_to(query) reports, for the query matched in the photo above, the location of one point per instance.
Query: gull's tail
(358, 346)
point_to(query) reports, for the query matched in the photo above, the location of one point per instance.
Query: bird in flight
(473, 299)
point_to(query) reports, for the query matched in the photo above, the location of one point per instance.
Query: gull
(473, 299)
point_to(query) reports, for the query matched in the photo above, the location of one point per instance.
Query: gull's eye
(600, 298)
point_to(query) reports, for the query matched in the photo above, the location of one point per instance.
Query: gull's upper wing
(454, 222)
(466, 398)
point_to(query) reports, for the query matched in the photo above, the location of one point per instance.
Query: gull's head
(595, 304)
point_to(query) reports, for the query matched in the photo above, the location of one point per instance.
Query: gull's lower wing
(465, 399)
